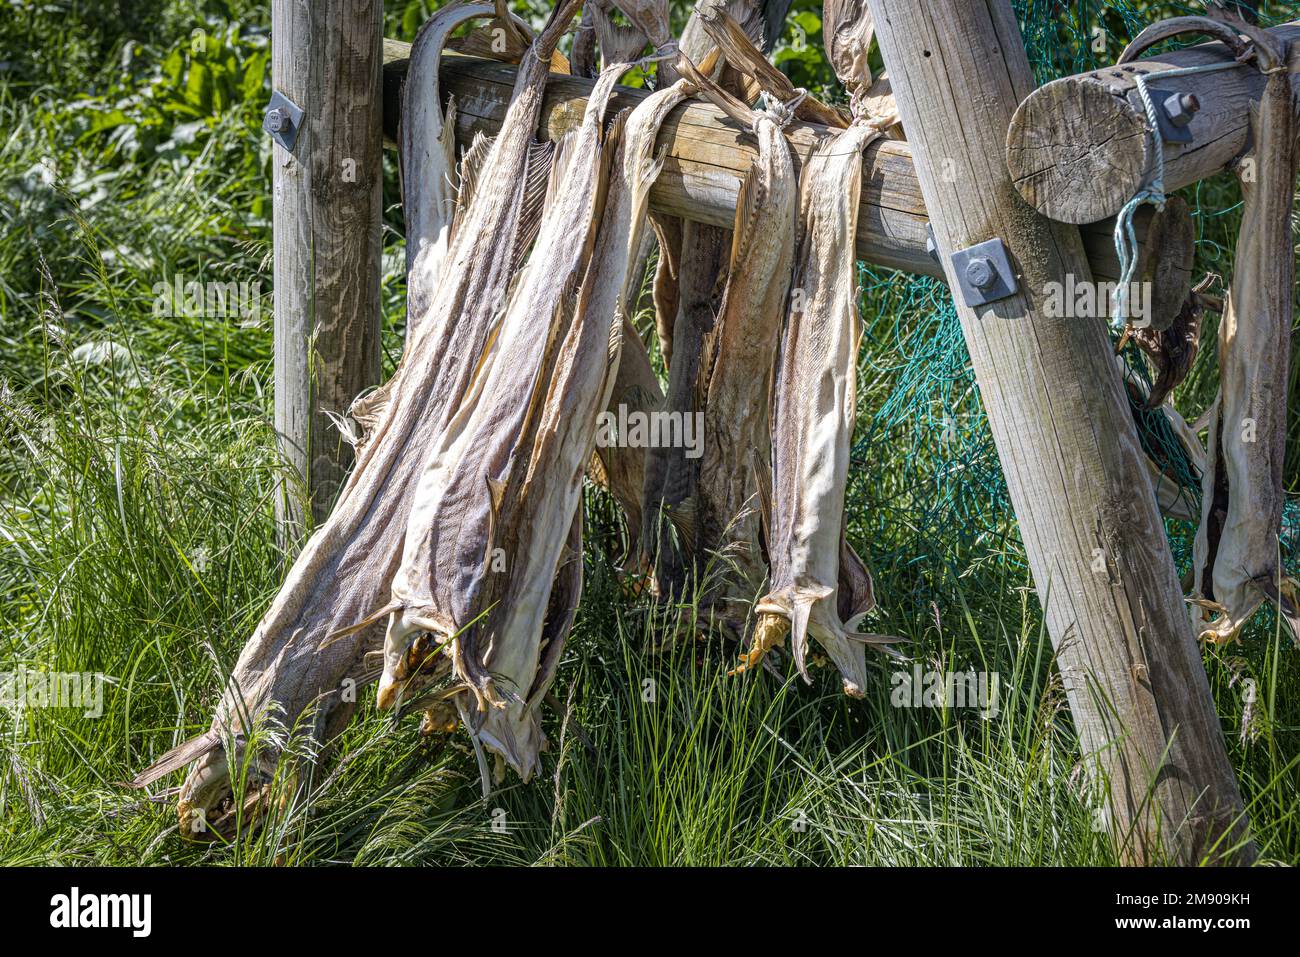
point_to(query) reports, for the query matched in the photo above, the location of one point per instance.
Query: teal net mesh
(926, 488)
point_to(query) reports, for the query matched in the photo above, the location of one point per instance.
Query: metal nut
(277, 120)
(1181, 107)
(980, 273)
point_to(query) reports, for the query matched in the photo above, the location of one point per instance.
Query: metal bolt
(980, 272)
(931, 246)
(1181, 107)
(277, 120)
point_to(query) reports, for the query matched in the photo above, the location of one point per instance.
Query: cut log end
(1077, 151)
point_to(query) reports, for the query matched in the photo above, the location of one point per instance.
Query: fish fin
(563, 148)
(471, 164)
(537, 175)
(366, 411)
(856, 592)
(614, 350)
(800, 611)
(177, 758)
(763, 476)
(497, 490)
(748, 200)
(365, 622)
(684, 517)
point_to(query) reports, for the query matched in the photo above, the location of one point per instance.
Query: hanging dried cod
(288, 672)
(816, 580)
(689, 280)
(1236, 551)
(488, 537)
(436, 587)
(735, 384)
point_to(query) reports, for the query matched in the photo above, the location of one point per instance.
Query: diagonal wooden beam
(1066, 439)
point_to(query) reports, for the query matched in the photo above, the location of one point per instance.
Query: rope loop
(1154, 190)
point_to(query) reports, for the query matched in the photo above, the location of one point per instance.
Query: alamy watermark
(81, 691)
(1096, 300)
(927, 688)
(651, 430)
(75, 909)
(209, 299)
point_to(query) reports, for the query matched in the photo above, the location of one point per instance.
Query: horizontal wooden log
(707, 155)
(1078, 147)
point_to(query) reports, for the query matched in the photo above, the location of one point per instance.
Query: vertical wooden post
(1095, 541)
(327, 58)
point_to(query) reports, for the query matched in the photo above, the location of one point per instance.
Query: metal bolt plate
(984, 273)
(1171, 131)
(283, 120)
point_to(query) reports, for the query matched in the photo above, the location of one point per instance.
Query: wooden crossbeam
(707, 153)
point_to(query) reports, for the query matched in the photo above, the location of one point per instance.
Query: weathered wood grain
(1069, 450)
(1078, 147)
(327, 58)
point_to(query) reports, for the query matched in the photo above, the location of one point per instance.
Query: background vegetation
(137, 464)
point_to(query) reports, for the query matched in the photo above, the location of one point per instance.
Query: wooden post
(1092, 532)
(327, 59)
(1078, 147)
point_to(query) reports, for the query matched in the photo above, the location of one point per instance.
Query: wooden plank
(707, 153)
(1066, 439)
(327, 58)
(1078, 147)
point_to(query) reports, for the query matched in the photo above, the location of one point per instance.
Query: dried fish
(506, 480)
(443, 563)
(815, 410)
(740, 356)
(542, 487)
(1236, 551)
(288, 672)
